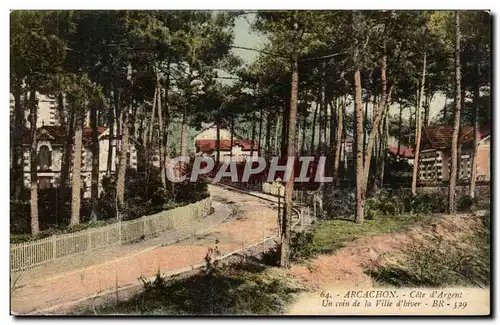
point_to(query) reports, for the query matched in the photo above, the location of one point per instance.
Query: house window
(44, 158)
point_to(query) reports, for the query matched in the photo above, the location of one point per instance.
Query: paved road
(60, 285)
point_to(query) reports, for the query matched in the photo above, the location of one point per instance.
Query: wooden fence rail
(33, 253)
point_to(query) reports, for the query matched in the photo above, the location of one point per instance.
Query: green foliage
(301, 249)
(465, 203)
(339, 204)
(342, 204)
(301, 246)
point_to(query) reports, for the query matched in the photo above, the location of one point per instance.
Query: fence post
(301, 218)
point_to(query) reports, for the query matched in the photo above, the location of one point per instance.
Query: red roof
(440, 137)
(406, 152)
(211, 145)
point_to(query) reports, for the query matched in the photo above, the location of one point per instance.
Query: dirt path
(49, 292)
(344, 269)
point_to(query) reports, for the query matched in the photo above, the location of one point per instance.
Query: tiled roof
(440, 137)
(211, 145)
(406, 152)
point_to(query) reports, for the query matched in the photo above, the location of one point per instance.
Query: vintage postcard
(250, 162)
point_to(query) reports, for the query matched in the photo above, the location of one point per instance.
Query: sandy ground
(344, 268)
(45, 291)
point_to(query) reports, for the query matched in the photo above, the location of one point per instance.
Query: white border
(197, 4)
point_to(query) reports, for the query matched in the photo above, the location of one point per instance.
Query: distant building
(51, 137)
(435, 154)
(205, 144)
(405, 153)
(50, 143)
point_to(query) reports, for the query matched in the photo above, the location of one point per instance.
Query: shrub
(339, 204)
(428, 203)
(465, 203)
(301, 246)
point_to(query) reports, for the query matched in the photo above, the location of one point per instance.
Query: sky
(244, 36)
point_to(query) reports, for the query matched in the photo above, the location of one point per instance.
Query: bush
(465, 203)
(301, 246)
(429, 203)
(339, 204)
(384, 202)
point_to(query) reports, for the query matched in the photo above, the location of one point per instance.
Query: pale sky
(244, 36)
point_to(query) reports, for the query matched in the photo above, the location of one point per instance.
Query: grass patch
(330, 235)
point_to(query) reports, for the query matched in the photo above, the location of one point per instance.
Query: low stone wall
(30, 254)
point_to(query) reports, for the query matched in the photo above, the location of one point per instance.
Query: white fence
(30, 254)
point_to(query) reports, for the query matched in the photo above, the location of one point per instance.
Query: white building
(205, 144)
(51, 138)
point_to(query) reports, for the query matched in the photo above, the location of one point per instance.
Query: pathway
(71, 282)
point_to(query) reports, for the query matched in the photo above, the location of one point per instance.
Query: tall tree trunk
(400, 129)
(284, 129)
(445, 108)
(456, 119)
(338, 141)
(382, 107)
(358, 126)
(152, 120)
(94, 189)
(232, 138)
(166, 104)
(122, 165)
(325, 125)
(313, 126)
(473, 172)
(426, 110)
(268, 134)
(276, 134)
(67, 154)
(17, 143)
(35, 228)
(254, 126)
(184, 133)
(161, 142)
(184, 126)
(261, 115)
(291, 152)
(418, 131)
(367, 101)
(302, 143)
(217, 143)
(359, 141)
(77, 168)
(384, 150)
(111, 127)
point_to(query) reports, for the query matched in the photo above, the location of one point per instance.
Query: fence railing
(34, 253)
